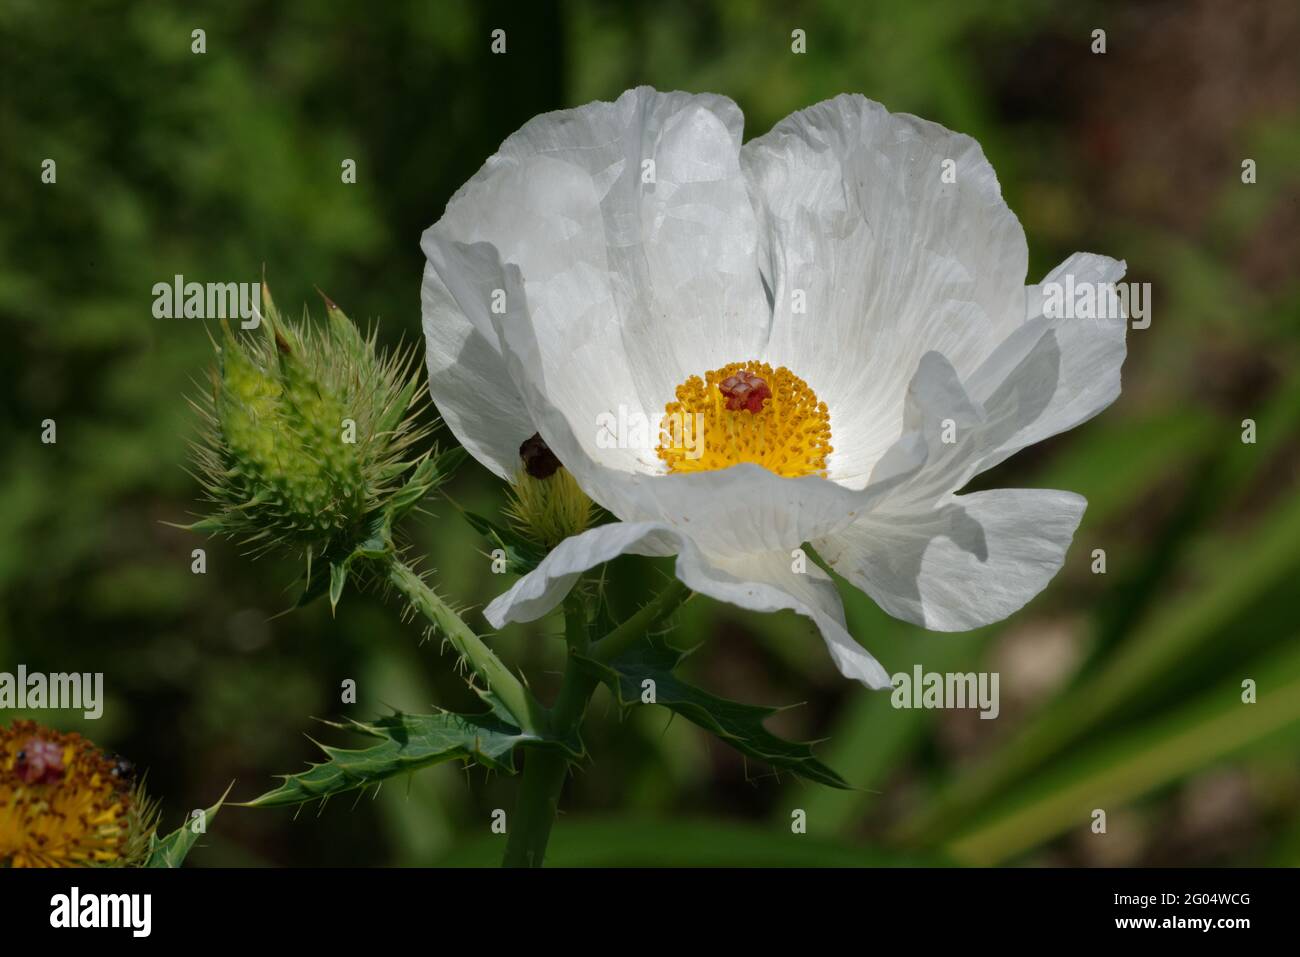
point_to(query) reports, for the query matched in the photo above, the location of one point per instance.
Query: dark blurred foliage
(1119, 691)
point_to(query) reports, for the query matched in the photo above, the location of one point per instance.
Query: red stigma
(744, 390)
(39, 762)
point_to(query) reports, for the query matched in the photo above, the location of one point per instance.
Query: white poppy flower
(842, 300)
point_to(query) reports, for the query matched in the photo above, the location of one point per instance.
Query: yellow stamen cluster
(789, 435)
(63, 803)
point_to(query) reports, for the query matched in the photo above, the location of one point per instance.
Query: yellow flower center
(746, 412)
(61, 804)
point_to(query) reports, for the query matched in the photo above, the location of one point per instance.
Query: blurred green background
(1119, 691)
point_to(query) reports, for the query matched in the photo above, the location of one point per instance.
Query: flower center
(63, 802)
(746, 412)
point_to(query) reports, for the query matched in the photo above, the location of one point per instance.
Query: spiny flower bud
(546, 503)
(309, 437)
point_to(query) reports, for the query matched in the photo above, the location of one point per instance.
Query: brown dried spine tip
(539, 461)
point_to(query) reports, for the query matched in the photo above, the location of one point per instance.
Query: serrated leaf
(407, 742)
(739, 725)
(171, 850)
(522, 555)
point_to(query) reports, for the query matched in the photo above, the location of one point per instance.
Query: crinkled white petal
(763, 582)
(887, 260)
(956, 430)
(766, 582)
(1089, 352)
(630, 226)
(469, 382)
(968, 561)
(536, 593)
(1049, 375)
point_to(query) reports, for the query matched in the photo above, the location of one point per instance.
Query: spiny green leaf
(171, 850)
(407, 742)
(739, 725)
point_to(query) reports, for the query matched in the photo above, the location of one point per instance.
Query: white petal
(631, 229)
(956, 430)
(760, 582)
(894, 262)
(1047, 376)
(1089, 353)
(469, 382)
(765, 583)
(972, 560)
(746, 508)
(536, 593)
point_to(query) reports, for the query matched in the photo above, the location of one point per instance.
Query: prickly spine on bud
(546, 504)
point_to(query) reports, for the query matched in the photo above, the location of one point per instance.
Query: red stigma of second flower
(39, 762)
(744, 390)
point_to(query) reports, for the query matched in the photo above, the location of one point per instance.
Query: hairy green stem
(528, 714)
(545, 770)
(634, 629)
(535, 808)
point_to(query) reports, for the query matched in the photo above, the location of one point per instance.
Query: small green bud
(309, 434)
(546, 503)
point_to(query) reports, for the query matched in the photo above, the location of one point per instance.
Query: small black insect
(123, 769)
(539, 461)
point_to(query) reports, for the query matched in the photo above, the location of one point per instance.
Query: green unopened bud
(546, 503)
(310, 432)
